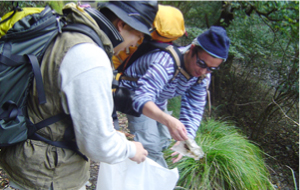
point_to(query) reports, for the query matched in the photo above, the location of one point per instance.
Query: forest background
(258, 86)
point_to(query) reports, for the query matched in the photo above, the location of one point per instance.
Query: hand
(141, 153)
(176, 159)
(177, 129)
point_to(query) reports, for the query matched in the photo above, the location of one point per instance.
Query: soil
(281, 173)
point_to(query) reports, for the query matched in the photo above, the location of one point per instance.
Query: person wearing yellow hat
(168, 26)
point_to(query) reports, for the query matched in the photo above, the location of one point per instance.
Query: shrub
(230, 162)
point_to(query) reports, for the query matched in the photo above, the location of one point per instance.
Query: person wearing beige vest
(77, 76)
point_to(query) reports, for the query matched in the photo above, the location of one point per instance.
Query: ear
(191, 49)
(120, 24)
(192, 46)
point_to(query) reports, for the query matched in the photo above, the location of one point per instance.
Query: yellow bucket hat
(169, 24)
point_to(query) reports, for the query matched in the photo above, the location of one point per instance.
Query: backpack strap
(12, 111)
(178, 59)
(84, 29)
(51, 120)
(15, 9)
(38, 78)
(15, 60)
(200, 79)
(68, 143)
(62, 144)
(123, 77)
(209, 100)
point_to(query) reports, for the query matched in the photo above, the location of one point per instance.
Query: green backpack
(21, 51)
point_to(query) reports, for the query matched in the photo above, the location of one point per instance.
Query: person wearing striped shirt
(154, 88)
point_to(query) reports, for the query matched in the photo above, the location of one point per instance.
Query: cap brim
(130, 20)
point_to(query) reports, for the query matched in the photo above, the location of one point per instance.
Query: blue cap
(214, 41)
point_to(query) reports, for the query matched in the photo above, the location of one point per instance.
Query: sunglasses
(203, 65)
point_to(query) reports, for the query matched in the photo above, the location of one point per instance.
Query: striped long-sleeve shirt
(155, 71)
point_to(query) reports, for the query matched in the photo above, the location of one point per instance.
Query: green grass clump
(230, 162)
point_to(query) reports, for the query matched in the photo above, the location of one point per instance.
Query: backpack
(22, 46)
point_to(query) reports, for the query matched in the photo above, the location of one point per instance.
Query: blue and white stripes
(155, 71)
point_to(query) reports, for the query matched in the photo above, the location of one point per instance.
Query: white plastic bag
(129, 175)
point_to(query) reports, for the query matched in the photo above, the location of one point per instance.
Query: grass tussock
(231, 161)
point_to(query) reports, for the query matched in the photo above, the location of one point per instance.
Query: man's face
(130, 36)
(194, 63)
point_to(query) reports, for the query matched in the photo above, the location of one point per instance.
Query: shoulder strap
(84, 29)
(15, 9)
(177, 57)
(15, 60)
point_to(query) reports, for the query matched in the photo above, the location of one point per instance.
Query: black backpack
(22, 49)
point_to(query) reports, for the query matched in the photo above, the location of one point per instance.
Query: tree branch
(267, 15)
(285, 114)
(245, 104)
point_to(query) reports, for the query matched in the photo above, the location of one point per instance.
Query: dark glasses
(203, 65)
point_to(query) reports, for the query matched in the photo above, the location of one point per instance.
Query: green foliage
(230, 162)
(198, 13)
(56, 5)
(269, 37)
(7, 6)
(193, 32)
(281, 16)
(261, 82)
(174, 105)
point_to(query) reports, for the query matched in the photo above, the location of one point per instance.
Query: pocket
(25, 161)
